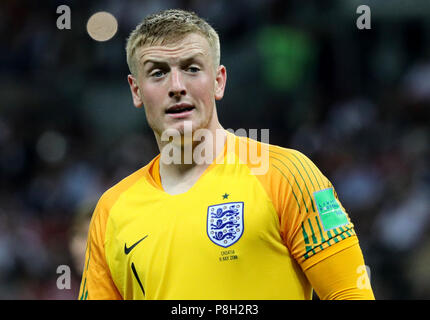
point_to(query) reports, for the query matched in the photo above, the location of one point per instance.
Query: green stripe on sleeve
(305, 235)
(297, 183)
(319, 227)
(314, 238)
(83, 289)
(304, 181)
(294, 194)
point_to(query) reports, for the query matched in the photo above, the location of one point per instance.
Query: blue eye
(193, 69)
(158, 74)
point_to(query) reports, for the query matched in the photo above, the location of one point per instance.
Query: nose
(177, 86)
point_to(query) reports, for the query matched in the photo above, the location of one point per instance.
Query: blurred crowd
(357, 102)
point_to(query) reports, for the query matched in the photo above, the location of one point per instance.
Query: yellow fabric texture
(342, 276)
(173, 255)
(97, 281)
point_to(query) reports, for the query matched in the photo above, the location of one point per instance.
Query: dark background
(355, 101)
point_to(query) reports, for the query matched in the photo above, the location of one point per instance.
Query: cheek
(204, 90)
(152, 97)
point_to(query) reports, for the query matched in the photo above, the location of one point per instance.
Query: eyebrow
(182, 60)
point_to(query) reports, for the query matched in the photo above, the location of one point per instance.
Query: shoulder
(111, 195)
(285, 173)
(292, 162)
(301, 174)
(275, 161)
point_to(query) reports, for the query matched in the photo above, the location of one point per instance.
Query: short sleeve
(314, 224)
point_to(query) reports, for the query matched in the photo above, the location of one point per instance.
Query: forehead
(191, 44)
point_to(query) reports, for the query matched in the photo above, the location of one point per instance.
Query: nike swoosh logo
(127, 250)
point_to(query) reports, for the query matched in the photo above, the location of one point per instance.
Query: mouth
(180, 110)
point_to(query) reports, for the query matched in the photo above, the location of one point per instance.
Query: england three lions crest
(225, 223)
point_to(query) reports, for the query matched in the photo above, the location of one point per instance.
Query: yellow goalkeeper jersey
(233, 235)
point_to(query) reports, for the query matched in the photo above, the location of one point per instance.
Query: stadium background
(355, 101)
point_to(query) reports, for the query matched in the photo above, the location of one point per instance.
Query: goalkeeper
(219, 228)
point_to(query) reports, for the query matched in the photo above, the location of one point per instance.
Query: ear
(220, 82)
(135, 91)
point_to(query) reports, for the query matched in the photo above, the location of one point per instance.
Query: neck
(192, 151)
(182, 164)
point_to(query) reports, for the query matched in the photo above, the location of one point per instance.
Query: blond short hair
(169, 26)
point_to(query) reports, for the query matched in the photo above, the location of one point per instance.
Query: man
(219, 228)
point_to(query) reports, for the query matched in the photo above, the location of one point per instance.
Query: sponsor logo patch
(329, 209)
